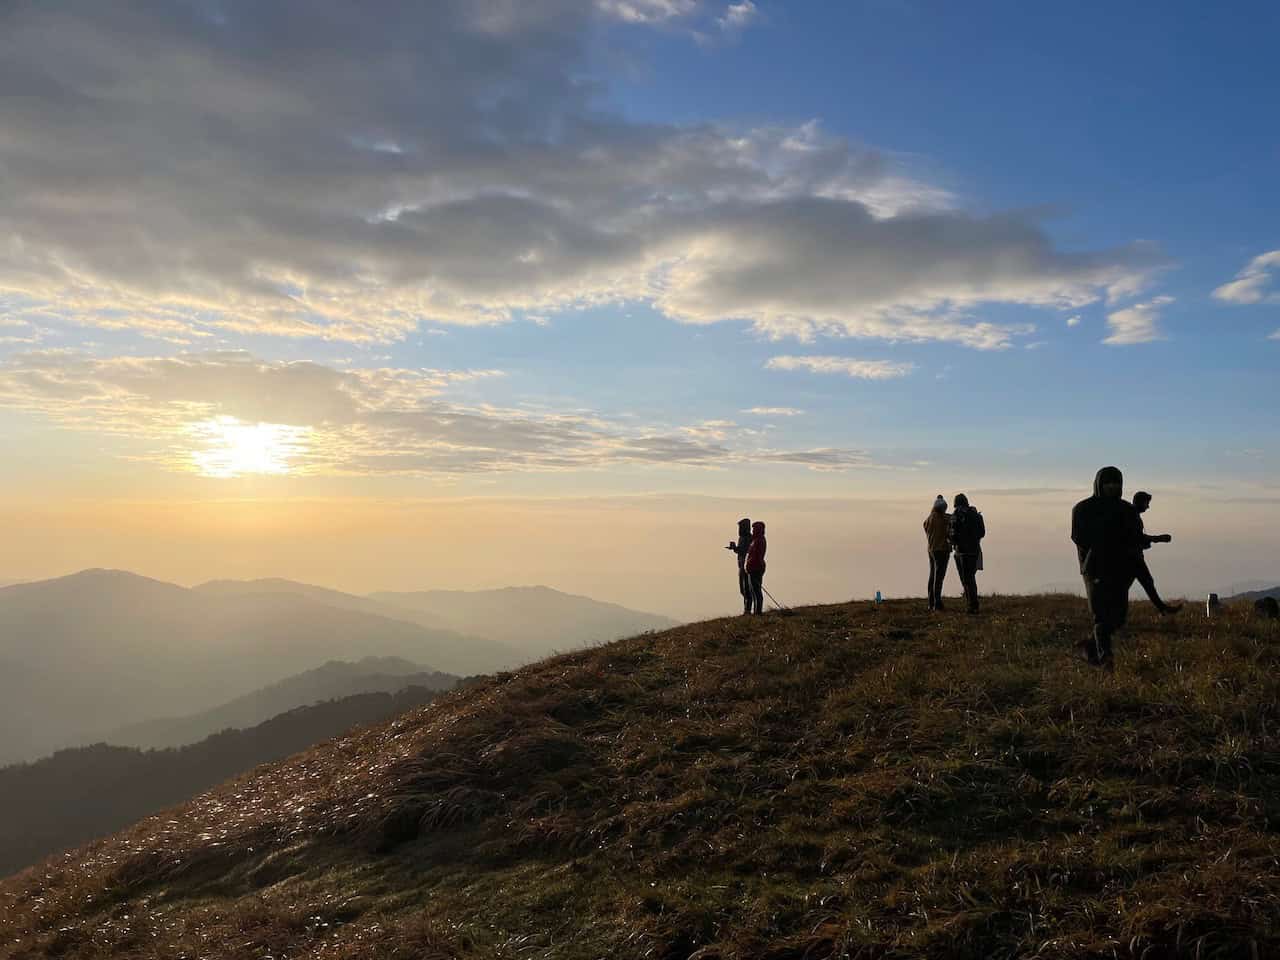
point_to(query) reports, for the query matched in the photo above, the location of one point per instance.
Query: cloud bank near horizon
(309, 170)
(362, 422)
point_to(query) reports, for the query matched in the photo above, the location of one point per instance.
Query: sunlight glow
(232, 448)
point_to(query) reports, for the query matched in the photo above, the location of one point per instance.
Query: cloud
(324, 171)
(1253, 284)
(738, 16)
(1073, 321)
(849, 367)
(1136, 324)
(382, 421)
(774, 412)
(647, 11)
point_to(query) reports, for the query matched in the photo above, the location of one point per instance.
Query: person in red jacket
(755, 566)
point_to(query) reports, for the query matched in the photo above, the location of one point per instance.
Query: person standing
(1141, 501)
(755, 566)
(1108, 537)
(967, 530)
(937, 527)
(740, 548)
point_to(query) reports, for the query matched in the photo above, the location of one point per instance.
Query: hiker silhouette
(1107, 533)
(1141, 501)
(937, 529)
(754, 566)
(740, 548)
(967, 529)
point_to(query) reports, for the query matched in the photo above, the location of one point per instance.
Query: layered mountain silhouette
(533, 620)
(89, 654)
(1251, 595)
(855, 780)
(331, 681)
(76, 795)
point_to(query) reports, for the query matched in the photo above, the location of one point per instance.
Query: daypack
(967, 530)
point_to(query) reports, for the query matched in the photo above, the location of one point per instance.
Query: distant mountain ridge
(106, 650)
(1252, 595)
(98, 650)
(534, 620)
(330, 681)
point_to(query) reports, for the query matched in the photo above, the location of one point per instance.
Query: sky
(481, 292)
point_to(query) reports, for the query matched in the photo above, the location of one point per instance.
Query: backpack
(967, 529)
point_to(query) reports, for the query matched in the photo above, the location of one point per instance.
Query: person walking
(755, 566)
(1108, 537)
(966, 533)
(937, 527)
(1141, 502)
(740, 548)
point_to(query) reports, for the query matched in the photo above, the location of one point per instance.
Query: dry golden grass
(849, 781)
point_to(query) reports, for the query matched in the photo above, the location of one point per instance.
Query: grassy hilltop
(845, 782)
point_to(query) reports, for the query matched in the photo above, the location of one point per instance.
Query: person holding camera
(740, 549)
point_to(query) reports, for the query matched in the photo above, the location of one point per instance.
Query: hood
(961, 501)
(744, 527)
(757, 528)
(1107, 475)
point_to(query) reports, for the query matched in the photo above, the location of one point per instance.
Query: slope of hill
(330, 681)
(849, 781)
(102, 649)
(536, 621)
(79, 794)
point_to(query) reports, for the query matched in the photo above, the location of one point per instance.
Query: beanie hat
(940, 503)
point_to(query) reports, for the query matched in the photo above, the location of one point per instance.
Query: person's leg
(1113, 611)
(943, 561)
(744, 588)
(931, 589)
(757, 592)
(1148, 582)
(1101, 638)
(966, 566)
(971, 582)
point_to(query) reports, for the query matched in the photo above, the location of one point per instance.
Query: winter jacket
(1107, 533)
(967, 530)
(744, 542)
(937, 528)
(755, 553)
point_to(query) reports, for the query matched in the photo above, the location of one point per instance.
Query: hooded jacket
(937, 527)
(755, 553)
(1106, 532)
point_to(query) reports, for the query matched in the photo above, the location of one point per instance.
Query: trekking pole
(775, 602)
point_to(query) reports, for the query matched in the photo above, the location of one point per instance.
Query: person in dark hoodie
(1141, 501)
(755, 566)
(967, 531)
(937, 528)
(740, 548)
(1108, 537)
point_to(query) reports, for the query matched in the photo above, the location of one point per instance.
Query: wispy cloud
(381, 421)
(774, 412)
(1137, 324)
(1074, 321)
(1254, 283)
(443, 163)
(846, 366)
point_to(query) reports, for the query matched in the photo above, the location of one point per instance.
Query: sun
(232, 448)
